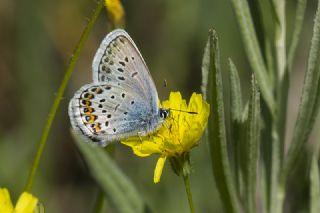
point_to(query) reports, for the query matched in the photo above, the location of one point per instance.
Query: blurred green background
(36, 41)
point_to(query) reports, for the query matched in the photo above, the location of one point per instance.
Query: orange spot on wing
(98, 127)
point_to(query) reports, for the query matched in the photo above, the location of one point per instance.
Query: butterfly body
(122, 101)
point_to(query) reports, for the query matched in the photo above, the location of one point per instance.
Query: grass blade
(314, 185)
(117, 187)
(254, 54)
(309, 100)
(216, 128)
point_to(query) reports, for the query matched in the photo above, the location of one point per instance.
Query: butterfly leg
(140, 136)
(166, 124)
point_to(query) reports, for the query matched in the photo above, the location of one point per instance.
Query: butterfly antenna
(179, 110)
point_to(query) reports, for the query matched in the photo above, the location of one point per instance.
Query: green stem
(98, 207)
(57, 100)
(188, 191)
(279, 119)
(280, 37)
(282, 80)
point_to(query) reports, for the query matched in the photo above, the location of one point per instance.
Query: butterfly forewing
(119, 61)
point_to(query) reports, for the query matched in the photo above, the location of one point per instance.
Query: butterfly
(122, 100)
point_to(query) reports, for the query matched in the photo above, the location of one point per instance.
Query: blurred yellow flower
(180, 132)
(115, 12)
(26, 203)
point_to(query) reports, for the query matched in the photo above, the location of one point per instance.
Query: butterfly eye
(163, 113)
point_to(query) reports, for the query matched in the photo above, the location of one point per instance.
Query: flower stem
(62, 87)
(98, 207)
(188, 191)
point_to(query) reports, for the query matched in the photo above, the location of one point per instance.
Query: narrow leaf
(276, 195)
(256, 10)
(236, 124)
(280, 37)
(205, 70)
(309, 100)
(235, 93)
(118, 188)
(254, 54)
(240, 143)
(262, 184)
(274, 11)
(314, 186)
(216, 129)
(299, 17)
(252, 145)
(316, 107)
(279, 122)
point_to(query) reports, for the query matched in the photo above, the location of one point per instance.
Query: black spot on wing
(134, 74)
(120, 70)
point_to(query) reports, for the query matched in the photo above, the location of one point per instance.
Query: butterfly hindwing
(104, 112)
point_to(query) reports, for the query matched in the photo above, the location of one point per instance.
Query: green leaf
(262, 184)
(216, 128)
(119, 190)
(239, 130)
(314, 185)
(256, 9)
(254, 54)
(274, 11)
(237, 124)
(280, 37)
(205, 70)
(316, 107)
(309, 104)
(300, 10)
(235, 93)
(252, 144)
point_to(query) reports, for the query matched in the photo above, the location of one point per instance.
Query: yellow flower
(180, 132)
(115, 12)
(26, 203)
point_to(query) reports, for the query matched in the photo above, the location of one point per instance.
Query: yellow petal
(174, 102)
(116, 12)
(195, 102)
(144, 147)
(5, 201)
(159, 168)
(180, 132)
(26, 203)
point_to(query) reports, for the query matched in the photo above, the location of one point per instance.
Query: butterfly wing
(122, 101)
(106, 113)
(119, 61)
